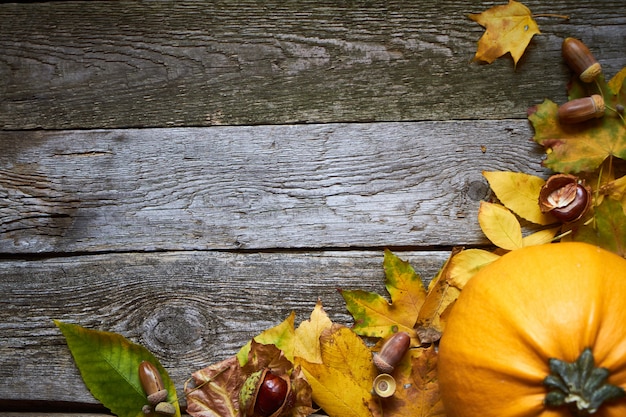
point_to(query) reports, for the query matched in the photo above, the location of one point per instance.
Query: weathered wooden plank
(299, 186)
(130, 64)
(189, 308)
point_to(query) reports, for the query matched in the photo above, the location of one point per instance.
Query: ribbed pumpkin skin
(536, 303)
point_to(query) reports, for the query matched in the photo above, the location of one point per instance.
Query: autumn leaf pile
(328, 366)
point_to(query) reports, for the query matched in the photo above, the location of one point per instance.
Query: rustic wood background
(188, 173)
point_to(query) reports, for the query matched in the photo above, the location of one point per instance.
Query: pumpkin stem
(579, 385)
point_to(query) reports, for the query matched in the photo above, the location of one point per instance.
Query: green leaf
(108, 364)
(608, 230)
(582, 147)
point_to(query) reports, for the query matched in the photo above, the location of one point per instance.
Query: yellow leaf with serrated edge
(509, 28)
(306, 344)
(465, 264)
(342, 383)
(500, 226)
(519, 192)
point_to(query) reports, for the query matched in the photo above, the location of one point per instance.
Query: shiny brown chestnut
(581, 109)
(392, 352)
(580, 59)
(565, 197)
(265, 394)
(152, 383)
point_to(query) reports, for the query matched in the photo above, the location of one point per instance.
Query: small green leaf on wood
(108, 364)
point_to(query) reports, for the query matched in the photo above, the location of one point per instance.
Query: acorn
(581, 109)
(565, 197)
(265, 394)
(384, 385)
(392, 352)
(152, 383)
(580, 59)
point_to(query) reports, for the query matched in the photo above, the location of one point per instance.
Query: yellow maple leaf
(509, 28)
(342, 383)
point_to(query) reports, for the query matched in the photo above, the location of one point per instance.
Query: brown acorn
(581, 109)
(565, 197)
(152, 383)
(580, 59)
(392, 352)
(265, 394)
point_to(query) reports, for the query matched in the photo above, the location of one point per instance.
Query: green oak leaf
(582, 147)
(108, 364)
(374, 316)
(609, 228)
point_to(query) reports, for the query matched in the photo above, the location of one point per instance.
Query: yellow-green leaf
(374, 316)
(500, 226)
(582, 147)
(281, 335)
(519, 192)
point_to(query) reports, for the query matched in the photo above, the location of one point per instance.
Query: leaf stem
(558, 16)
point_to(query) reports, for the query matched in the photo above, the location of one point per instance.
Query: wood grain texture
(299, 186)
(189, 308)
(157, 64)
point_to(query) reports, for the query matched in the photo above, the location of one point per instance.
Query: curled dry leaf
(440, 296)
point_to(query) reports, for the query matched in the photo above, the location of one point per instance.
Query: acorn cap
(384, 385)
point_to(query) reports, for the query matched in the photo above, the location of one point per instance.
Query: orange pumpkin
(521, 328)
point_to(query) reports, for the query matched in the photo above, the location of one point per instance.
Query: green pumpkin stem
(579, 385)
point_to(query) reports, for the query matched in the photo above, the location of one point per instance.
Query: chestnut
(580, 60)
(265, 394)
(565, 197)
(581, 109)
(152, 383)
(392, 352)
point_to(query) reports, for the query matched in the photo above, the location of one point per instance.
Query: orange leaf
(440, 295)
(417, 392)
(509, 28)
